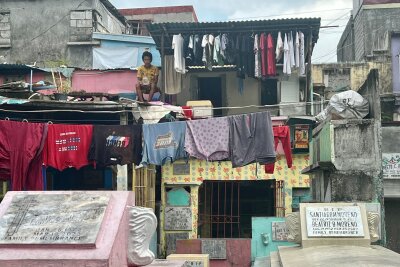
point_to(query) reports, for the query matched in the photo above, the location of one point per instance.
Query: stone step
(275, 262)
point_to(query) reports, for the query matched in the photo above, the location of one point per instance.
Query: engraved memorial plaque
(214, 247)
(181, 169)
(194, 263)
(178, 218)
(334, 221)
(53, 219)
(279, 231)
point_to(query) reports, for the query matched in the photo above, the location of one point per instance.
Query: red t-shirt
(67, 146)
(271, 69)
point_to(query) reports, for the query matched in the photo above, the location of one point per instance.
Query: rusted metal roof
(158, 10)
(309, 26)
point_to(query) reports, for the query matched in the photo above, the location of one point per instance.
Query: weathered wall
(109, 23)
(369, 26)
(353, 186)
(391, 139)
(355, 145)
(358, 74)
(345, 47)
(390, 144)
(201, 170)
(32, 39)
(395, 49)
(42, 29)
(230, 93)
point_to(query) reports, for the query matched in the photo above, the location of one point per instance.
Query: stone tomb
(70, 228)
(334, 234)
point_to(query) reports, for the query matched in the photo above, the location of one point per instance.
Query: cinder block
(77, 15)
(84, 23)
(4, 26)
(88, 14)
(72, 22)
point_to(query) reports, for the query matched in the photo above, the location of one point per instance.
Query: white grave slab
(334, 221)
(327, 224)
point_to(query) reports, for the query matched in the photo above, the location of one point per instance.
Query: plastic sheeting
(115, 57)
(345, 105)
(154, 112)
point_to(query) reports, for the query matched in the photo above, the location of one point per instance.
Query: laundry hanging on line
(248, 52)
(104, 145)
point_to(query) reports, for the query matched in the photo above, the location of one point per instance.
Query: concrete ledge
(84, 43)
(338, 256)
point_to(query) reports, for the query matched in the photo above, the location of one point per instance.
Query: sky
(331, 12)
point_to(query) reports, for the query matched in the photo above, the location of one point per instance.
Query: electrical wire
(55, 24)
(285, 14)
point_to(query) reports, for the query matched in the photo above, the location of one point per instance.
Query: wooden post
(122, 176)
(163, 76)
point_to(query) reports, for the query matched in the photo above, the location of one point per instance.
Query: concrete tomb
(74, 228)
(334, 234)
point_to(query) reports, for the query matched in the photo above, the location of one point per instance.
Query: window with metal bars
(226, 207)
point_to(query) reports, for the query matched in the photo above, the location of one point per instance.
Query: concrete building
(372, 37)
(138, 18)
(53, 32)
(371, 26)
(226, 202)
(345, 156)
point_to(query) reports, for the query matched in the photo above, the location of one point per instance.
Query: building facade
(220, 201)
(372, 37)
(50, 33)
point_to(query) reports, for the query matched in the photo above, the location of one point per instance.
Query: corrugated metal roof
(6, 68)
(309, 26)
(123, 38)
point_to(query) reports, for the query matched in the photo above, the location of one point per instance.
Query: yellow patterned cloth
(146, 76)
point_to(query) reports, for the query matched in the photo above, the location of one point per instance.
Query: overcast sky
(331, 12)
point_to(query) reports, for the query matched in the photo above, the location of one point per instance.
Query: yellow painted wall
(358, 73)
(203, 170)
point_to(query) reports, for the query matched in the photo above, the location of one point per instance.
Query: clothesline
(297, 104)
(67, 145)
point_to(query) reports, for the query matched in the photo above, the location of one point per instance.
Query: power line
(285, 14)
(52, 26)
(350, 44)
